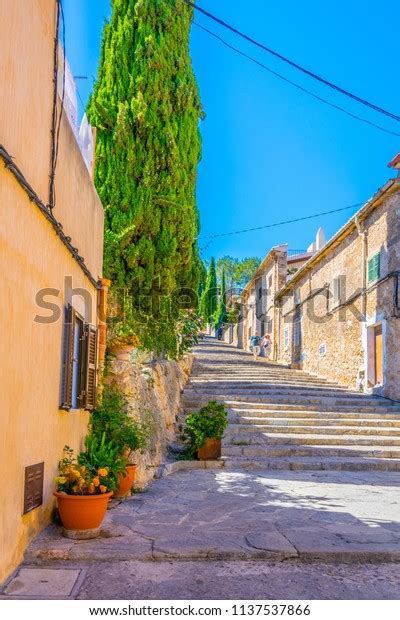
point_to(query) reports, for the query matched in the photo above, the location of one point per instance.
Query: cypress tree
(221, 314)
(208, 302)
(223, 289)
(146, 108)
(202, 279)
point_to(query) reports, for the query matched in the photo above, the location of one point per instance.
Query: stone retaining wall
(152, 390)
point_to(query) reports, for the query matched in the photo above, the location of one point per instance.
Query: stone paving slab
(255, 580)
(43, 583)
(238, 515)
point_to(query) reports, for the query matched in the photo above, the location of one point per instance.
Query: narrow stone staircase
(281, 418)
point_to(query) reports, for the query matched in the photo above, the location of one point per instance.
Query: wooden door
(378, 355)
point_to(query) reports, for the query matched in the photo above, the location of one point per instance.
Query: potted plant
(85, 484)
(121, 328)
(128, 435)
(205, 429)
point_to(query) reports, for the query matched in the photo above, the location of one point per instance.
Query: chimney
(319, 239)
(395, 163)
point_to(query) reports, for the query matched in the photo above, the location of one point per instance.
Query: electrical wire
(305, 90)
(275, 224)
(292, 63)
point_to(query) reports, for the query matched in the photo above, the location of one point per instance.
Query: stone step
(258, 370)
(299, 397)
(314, 463)
(231, 450)
(254, 369)
(237, 414)
(240, 376)
(328, 430)
(288, 397)
(191, 404)
(251, 435)
(268, 384)
(231, 363)
(268, 390)
(282, 418)
(273, 387)
(333, 421)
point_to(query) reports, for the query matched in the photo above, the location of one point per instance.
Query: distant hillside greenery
(146, 108)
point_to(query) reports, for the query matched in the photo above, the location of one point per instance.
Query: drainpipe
(363, 233)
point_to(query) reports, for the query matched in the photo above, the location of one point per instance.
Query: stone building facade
(339, 314)
(258, 311)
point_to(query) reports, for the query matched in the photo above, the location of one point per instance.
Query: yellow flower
(96, 482)
(103, 489)
(103, 472)
(61, 480)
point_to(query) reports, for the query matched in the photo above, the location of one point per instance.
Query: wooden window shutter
(374, 268)
(67, 360)
(90, 367)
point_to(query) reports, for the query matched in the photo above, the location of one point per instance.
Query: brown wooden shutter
(67, 363)
(90, 367)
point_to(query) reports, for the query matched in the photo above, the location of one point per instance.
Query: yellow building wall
(33, 258)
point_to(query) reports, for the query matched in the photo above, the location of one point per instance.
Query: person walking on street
(266, 345)
(255, 345)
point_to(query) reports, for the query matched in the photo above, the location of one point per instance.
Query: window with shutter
(374, 268)
(67, 362)
(79, 363)
(338, 291)
(286, 338)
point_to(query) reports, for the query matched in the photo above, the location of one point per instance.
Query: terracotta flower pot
(82, 513)
(210, 450)
(122, 351)
(126, 482)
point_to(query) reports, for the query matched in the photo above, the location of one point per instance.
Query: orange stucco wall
(32, 258)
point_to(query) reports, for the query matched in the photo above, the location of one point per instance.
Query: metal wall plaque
(33, 488)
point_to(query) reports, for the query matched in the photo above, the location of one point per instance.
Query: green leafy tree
(209, 298)
(228, 266)
(237, 272)
(245, 269)
(146, 108)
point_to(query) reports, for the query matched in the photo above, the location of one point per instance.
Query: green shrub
(111, 418)
(209, 422)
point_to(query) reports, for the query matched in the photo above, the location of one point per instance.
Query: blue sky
(270, 152)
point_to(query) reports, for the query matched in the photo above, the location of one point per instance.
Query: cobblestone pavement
(238, 515)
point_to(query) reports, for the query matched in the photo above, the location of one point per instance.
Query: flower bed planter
(210, 450)
(82, 515)
(126, 482)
